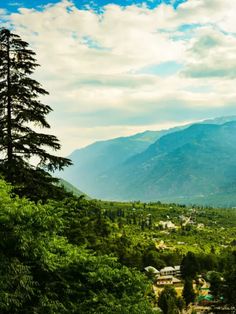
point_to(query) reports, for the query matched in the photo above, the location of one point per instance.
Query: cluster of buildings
(184, 221)
(166, 276)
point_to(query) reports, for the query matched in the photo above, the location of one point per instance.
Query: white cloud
(91, 64)
(87, 135)
(212, 54)
(3, 17)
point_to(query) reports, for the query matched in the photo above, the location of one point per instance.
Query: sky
(116, 68)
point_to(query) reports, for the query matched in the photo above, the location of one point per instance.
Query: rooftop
(167, 268)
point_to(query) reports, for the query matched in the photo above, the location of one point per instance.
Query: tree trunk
(9, 118)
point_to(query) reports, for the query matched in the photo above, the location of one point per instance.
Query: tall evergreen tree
(188, 291)
(20, 109)
(189, 266)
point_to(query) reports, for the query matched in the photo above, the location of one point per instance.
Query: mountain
(219, 120)
(102, 156)
(71, 188)
(191, 164)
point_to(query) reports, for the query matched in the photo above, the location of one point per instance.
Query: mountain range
(195, 163)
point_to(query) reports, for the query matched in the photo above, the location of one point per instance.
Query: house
(171, 271)
(167, 280)
(167, 271)
(177, 271)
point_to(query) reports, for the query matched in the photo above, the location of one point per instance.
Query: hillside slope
(195, 163)
(190, 164)
(90, 162)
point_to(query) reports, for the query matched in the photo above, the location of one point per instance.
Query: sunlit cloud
(127, 69)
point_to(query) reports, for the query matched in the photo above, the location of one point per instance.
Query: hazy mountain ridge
(93, 160)
(186, 164)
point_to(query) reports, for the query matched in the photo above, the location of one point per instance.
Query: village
(171, 276)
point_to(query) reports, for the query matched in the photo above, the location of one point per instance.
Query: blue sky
(12, 6)
(122, 67)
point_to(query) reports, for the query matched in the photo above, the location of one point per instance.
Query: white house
(167, 271)
(167, 280)
(170, 271)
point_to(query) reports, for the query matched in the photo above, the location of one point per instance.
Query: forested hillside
(46, 267)
(194, 164)
(78, 256)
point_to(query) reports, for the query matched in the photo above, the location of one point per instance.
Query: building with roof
(170, 271)
(167, 271)
(177, 270)
(167, 280)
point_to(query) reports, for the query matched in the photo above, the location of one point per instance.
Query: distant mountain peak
(180, 163)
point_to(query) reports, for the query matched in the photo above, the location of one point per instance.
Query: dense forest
(81, 256)
(63, 253)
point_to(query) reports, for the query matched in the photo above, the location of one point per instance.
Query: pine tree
(20, 109)
(188, 291)
(189, 266)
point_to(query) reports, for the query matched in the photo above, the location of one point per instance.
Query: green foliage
(215, 279)
(152, 257)
(188, 292)
(71, 189)
(169, 302)
(55, 254)
(189, 266)
(229, 285)
(42, 271)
